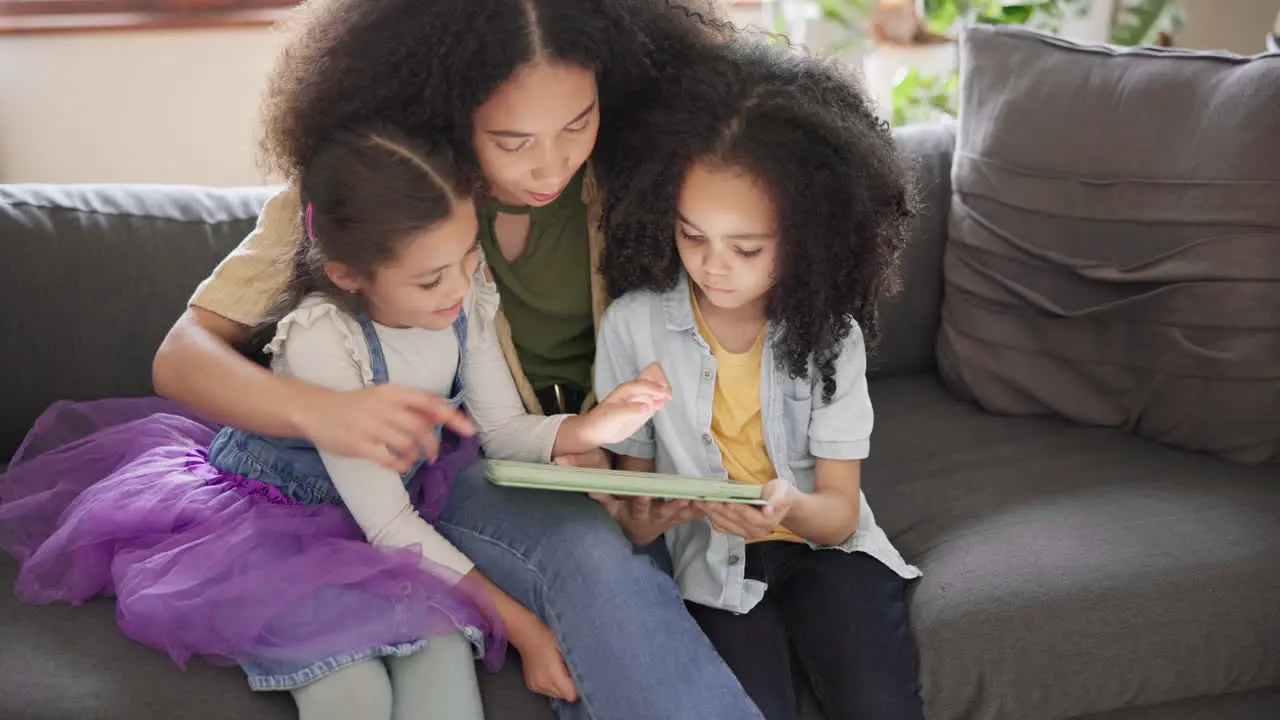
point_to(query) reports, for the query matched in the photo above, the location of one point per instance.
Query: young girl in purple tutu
(316, 573)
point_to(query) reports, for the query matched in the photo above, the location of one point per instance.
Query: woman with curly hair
(758, 221)
(517, 90)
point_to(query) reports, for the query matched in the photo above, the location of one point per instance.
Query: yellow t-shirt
(736, 422)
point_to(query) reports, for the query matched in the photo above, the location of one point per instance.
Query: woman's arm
(198, 366)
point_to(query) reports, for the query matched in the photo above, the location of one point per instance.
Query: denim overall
(295, 468)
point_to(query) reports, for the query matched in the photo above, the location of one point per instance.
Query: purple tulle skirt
(116, 497)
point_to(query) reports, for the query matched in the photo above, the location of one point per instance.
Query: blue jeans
(634, 651)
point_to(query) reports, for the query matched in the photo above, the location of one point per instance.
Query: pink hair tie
(311, 235)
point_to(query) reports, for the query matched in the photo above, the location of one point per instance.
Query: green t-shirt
(546, 292)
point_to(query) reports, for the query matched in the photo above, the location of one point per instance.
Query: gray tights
(438, 683)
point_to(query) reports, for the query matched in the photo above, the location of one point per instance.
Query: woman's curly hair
(802, 127)
(425, 67)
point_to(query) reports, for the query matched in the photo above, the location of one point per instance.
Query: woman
(518, 88)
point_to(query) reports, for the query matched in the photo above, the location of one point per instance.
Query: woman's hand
(644, 519)
(749, 521)
(388, 424)
(625, 410)
(544, 670)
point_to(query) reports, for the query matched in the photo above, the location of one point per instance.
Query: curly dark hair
(425, 67)
(803, 127)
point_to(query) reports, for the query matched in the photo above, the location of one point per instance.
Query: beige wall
(145, 106)
(1236, 25)
(182, 106)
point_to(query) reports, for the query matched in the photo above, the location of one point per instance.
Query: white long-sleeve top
(322, 344)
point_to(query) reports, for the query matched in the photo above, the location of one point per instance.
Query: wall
(183, 106)
(1236, 25)
(177, 106)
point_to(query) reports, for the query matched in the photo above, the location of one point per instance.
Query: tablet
(540, 476)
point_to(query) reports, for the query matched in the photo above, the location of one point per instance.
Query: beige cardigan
(247, 282)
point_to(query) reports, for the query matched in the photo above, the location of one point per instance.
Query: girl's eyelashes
(742, 252)
(515, 149)
(475, 248)
(583, 125)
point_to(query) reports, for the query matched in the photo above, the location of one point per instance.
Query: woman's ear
(344, 276)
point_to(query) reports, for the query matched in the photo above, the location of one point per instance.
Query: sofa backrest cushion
(909, 319)
(1114, 247)
(93, 278)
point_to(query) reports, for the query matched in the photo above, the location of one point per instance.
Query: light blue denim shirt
(644, 327)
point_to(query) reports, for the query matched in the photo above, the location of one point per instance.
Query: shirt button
(706, 374)
(707, 440)
(733, 559)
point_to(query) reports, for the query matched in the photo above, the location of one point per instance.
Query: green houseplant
(919, 97)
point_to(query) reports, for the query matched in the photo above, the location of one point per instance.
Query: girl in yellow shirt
(764, 207)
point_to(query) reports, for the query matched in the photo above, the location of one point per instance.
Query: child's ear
(344, 276)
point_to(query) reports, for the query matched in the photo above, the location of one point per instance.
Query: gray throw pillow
(1114, 240)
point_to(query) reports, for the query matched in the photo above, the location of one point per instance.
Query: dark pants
(836, 620)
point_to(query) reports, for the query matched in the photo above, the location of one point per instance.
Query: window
(27, 16)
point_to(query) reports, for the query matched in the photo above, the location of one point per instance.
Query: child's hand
(643, 519)
(544, 670)
(625, 410)
(389, 424)
(596, 458)
(749, 521)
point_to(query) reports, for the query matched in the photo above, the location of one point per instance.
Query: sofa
(1073, 568)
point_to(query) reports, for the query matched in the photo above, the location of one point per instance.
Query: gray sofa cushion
(94, 277)
(909, 320)
(61, 662)
(1067, 570)
(1071, 569)
(1114, 255)
(1253, 705)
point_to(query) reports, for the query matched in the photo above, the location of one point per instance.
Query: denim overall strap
(376, 359)
(460, 332)
(292, 464)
